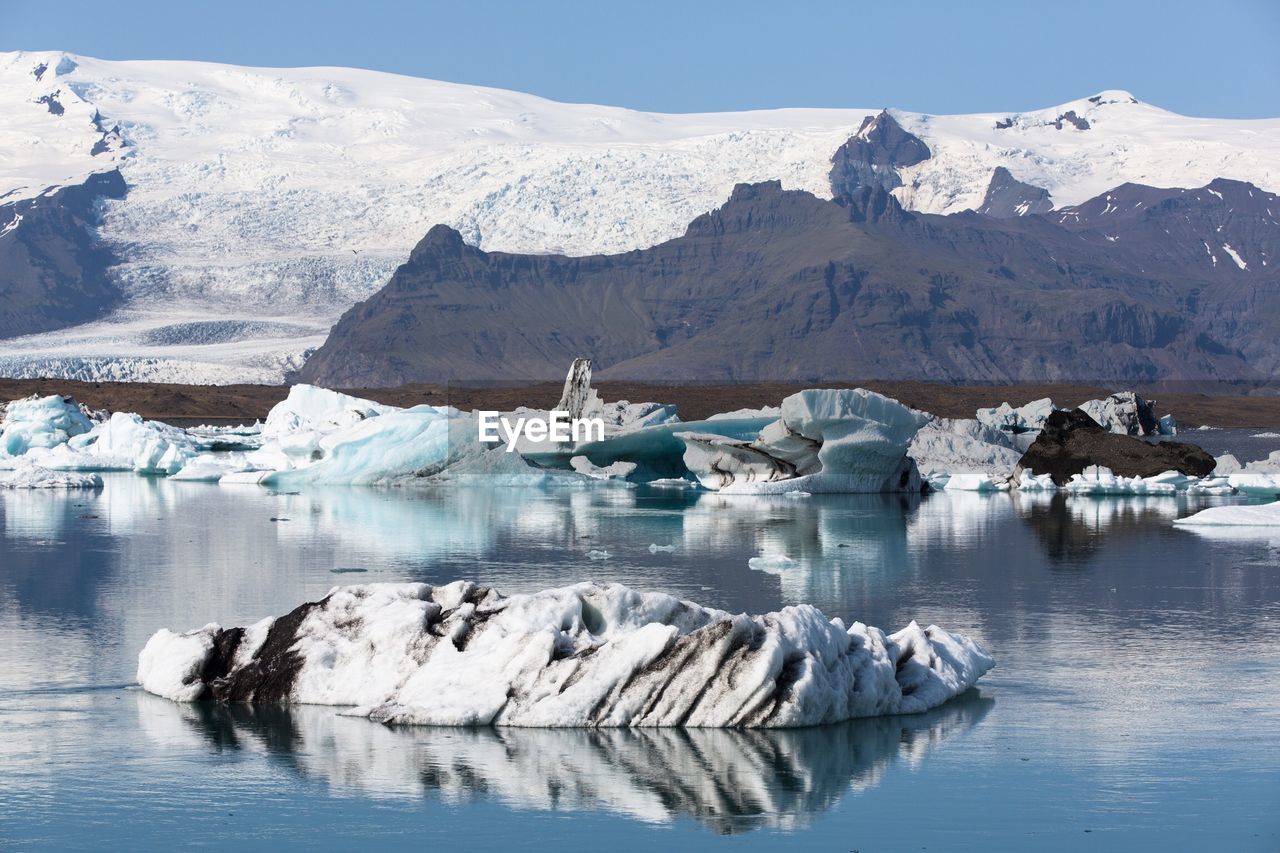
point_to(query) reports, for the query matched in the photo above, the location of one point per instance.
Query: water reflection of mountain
(730, 781)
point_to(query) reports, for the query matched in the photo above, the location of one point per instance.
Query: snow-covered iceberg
(588, 655)
(844, 440)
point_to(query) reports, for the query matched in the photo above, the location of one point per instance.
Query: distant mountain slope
(52, 271)
(265, 202)
(782, 285)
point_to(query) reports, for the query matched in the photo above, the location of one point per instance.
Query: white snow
(1235, 256)
(263, 202)
(1265, 515)
(588, 655)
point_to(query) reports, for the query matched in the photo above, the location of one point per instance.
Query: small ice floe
(598, 554)
(612, 471)
(1266, 435)
(1100, 480)
(655, 548)
(772, 564)
(31, 476)
(1031, 482)
(588, 655)
(975, 481)
(1265, 515)
(672, 483)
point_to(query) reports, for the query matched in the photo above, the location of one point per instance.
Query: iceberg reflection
(730, 781)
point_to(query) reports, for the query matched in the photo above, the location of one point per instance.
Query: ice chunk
(598, 554)
(944, 445)
(1265, 515)
(1227, 464)
(1100, 480)
(1021, 423)
(1255, 482)
(310, 408)
(612, 471)
(40, 422)
(28, 475)
(1125, 413)
(845, 440)
(975, 481)
(1030, 482)
(772, 565)
(655, 548)
(585, 655)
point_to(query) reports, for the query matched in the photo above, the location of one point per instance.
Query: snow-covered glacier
(587, 655)
(264, 202)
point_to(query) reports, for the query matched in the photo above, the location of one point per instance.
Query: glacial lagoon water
(1135, 704)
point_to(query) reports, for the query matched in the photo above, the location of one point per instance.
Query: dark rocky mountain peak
(778, 284)
(53, 272)
(1007, 196)
(873, 155)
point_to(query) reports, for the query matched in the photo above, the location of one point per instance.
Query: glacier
(587, 655)
(308, 186)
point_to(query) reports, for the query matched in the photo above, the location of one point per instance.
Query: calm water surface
(1135, 704)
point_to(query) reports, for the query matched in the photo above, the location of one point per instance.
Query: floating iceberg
(772, 565)
(846, 440)
(28, 475)
(587, 655)
(1124, 413)
(1021, 423)
(40, 422)
(974, 481)
(1099, 480)
(1266, 515)
(944, 446)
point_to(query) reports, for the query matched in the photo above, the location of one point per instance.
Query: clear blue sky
(1205, 58)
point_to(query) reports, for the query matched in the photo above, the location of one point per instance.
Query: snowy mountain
(262, 203)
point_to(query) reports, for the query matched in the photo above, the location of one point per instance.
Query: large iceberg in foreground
(591, 655)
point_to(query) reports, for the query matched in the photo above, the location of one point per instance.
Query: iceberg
(1100, 480)
(944, 446)
(587, 655)
(974, 481)
(1265, 515)
(773, 565)
(28, 475)
(1021, 424)
(844, 440)
(1125, 413)
(40, 422)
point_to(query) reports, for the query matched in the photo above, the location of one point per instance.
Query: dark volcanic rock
(53, 272)
(873, 155)
(1007, 196)
(1071, 441)
(780, 285)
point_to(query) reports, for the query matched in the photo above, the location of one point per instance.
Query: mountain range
(251, 208)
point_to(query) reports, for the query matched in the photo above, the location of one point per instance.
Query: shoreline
(187, 405)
